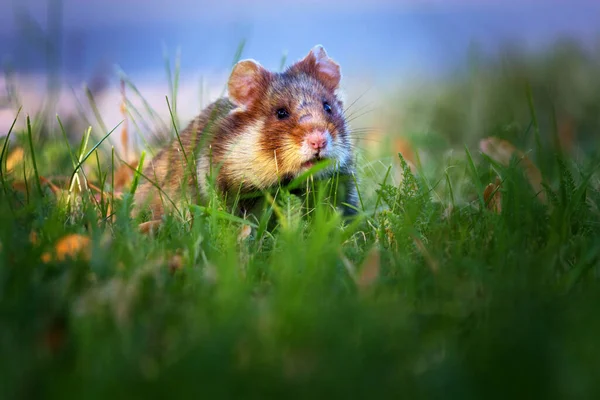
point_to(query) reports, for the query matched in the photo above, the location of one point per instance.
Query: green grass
(428, 294)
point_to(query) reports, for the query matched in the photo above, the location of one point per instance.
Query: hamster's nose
(317, 140)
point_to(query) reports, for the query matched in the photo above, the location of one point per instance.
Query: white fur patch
(245, 162)
(240, 158)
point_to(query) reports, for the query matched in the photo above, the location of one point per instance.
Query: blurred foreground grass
(436, 291)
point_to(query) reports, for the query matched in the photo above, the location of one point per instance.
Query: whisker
(353, 117)
(353, 113)
(365, 128)
(365, 136)
(354, 102)
(369, 140)
(361, 132)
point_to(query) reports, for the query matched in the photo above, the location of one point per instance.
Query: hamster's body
(271, 128)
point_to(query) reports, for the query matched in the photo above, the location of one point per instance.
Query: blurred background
(427, 75)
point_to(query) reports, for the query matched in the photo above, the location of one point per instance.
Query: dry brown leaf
(493, 200)
(149, 227)
(245, 232)
(62, 181)
(14, 158)
(33, 237)
(567, 135)
(404, 147)
(55, 189)
(70, 246)
(369, 271)
(124, 174)
(94, 188)
(175, 263)
(502, 151)
(19, 186)
(125, 128)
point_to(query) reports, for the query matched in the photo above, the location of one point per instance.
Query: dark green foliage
(426, 294)
(468, 303)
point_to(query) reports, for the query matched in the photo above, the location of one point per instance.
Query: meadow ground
(475, 277)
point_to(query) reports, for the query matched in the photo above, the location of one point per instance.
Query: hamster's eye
(327, 107)
(282, 113)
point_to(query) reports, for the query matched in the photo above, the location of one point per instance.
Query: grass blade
(138, 172)
(222, 215)
(35, 167)
(5, 146)
(476, 180)
(534, 120)
(81, 161)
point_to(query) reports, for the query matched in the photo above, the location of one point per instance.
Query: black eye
(327, 107)
(282, 113)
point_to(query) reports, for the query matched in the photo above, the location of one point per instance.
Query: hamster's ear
(246, 82)
(318, 64)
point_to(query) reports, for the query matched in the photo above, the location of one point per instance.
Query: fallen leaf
(33, 237)
(125, 128)
(567, 136)
(175, 263)
(71, 246)
(245, 232)
(55, 189)
(94, 187)
(149, 227)
(19, 186)
(493, 200)
(124, 174)
(14, 158)
(502, 151)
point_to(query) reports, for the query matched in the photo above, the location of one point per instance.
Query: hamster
(272, 127)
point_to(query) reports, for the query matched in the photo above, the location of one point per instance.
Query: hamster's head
(296, 116)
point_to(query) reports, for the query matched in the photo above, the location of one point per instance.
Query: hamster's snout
(317, 140)
(316, 146)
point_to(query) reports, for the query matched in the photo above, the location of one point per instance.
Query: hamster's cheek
(291, 156)
(341, 153)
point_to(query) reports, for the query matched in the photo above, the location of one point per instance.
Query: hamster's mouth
(310, 163)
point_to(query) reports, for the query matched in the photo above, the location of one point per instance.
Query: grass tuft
(427, 292)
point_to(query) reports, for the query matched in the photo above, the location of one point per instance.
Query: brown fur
(241, 140)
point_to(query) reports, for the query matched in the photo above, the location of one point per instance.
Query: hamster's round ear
(322, 67)
(246, 82)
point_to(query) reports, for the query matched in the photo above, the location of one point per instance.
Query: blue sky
(379, 43)
(379, 38)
